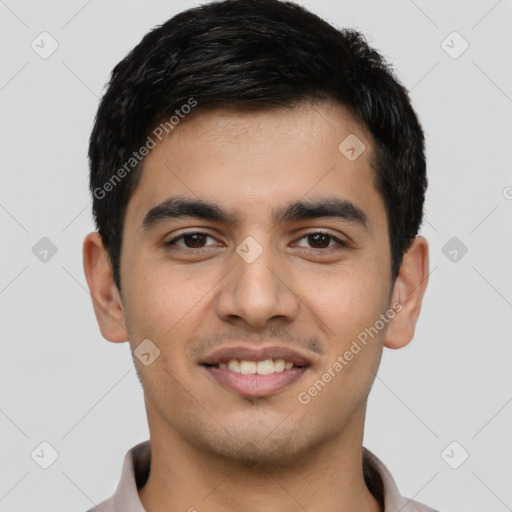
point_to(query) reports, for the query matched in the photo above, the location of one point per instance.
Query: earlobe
(408, 291)
(107, 303)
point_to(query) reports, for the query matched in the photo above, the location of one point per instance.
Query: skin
(213, 449)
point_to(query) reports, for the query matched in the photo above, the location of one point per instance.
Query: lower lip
(255, 385)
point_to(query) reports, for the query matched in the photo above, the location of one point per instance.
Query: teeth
(248, 367)
(234, 366)
(265, 367)
(279, 365)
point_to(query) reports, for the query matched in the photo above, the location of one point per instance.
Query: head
(255, 121)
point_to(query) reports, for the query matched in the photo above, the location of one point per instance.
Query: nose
(257, 292)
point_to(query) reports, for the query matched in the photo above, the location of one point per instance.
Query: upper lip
(255, 354)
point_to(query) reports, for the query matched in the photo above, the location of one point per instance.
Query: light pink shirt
(136, 470)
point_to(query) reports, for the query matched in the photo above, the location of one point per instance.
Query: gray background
(62, 383)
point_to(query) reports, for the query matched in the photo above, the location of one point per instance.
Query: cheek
(346, 300)
(347, 309)
(168, 306)
(162, 310)
(162, 296)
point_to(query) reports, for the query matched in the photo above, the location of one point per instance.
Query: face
(284, 258)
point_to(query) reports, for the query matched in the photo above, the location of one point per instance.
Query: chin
(260, 450)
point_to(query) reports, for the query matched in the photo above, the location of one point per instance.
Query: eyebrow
(182, 207)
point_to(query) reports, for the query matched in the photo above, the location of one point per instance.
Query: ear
(408, 291)
(107, 303)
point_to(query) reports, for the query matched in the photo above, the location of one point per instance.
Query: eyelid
(189, 233)
(341, 243)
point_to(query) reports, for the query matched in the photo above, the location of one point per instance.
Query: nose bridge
(254, 290)
(255, 272)
(258, 274)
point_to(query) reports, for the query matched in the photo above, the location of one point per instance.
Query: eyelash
(340, 243)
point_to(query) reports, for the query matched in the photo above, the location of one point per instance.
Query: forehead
(263, 158)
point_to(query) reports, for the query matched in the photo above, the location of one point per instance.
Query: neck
(184, 477)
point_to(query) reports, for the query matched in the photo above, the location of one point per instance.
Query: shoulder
(382, 485)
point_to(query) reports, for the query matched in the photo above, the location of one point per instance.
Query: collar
(136, 467)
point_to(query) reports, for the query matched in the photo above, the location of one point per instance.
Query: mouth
(256, 373)
(245, 367)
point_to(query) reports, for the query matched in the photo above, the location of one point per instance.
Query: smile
(255, 378)
(266, 367)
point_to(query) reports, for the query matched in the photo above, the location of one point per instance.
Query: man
(258, 180)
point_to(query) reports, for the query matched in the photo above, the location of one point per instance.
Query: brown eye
(193, 240)
(319, 240)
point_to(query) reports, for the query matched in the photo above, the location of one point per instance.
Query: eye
(317, 241)
(191, 240)
(322, 241)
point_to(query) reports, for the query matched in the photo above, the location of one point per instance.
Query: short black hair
(253, 54)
